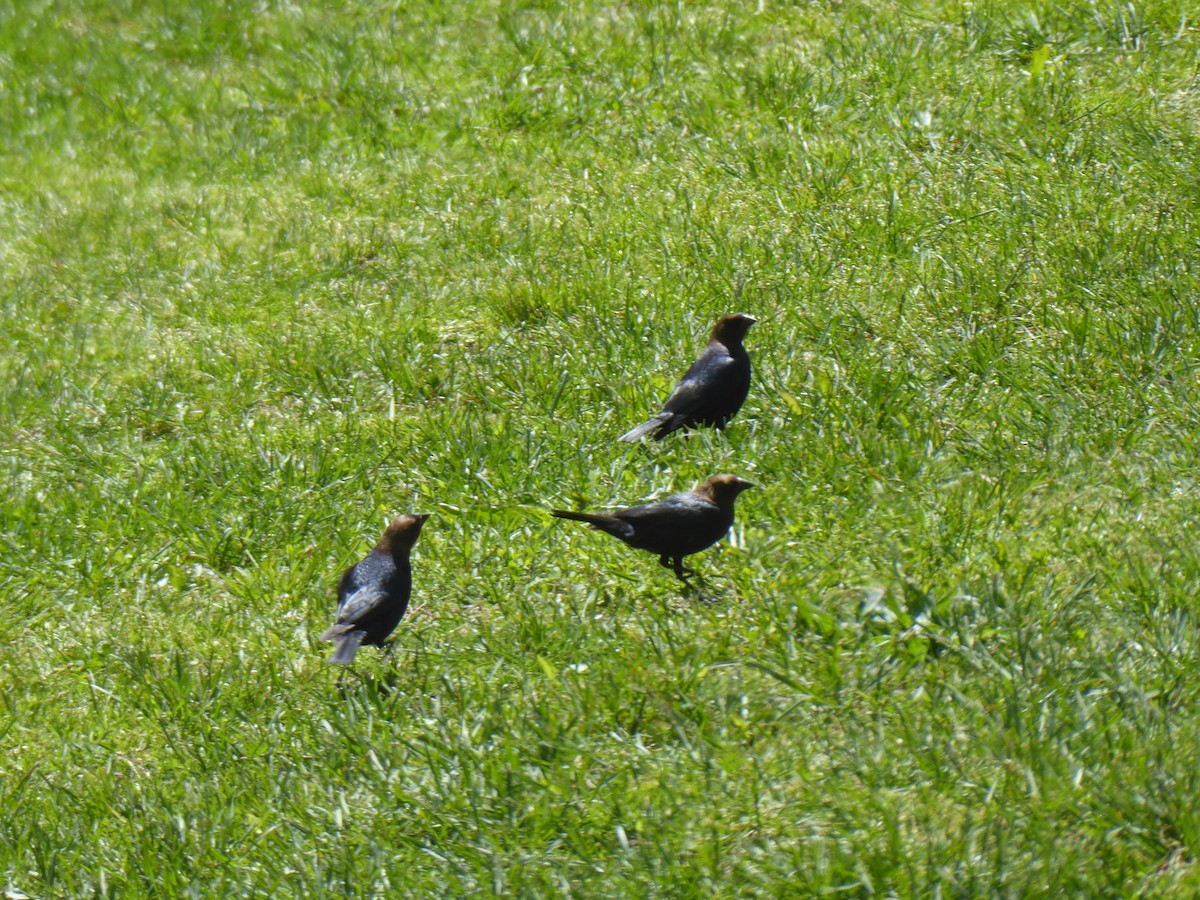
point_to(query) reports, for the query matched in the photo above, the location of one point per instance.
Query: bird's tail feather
(636, 434)
(609, 524)
(590, 518)
(347, 643)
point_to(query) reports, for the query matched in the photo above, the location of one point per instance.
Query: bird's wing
(708, 381)
(360, 602)
(679, 511)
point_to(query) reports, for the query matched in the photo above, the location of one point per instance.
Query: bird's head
(732, 328)
(402, 533)
(723, 489)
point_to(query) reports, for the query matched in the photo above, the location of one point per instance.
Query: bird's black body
(712, 390)
(676, 526)
(373, 593)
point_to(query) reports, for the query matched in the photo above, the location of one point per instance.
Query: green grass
(270, 274)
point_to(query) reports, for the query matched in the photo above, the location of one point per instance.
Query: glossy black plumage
(373, 593)
(712, 390)
(676, 526)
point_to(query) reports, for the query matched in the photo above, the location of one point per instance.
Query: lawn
(271, 274)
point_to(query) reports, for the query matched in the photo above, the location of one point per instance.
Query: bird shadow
(700, 589)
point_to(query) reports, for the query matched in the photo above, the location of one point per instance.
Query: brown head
(732, 328)
(401, 534)
(722, 489)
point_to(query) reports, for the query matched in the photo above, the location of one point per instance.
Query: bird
(674, 527)
(373, 593)
(712, 390)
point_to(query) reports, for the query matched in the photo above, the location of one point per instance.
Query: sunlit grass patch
(273, 274)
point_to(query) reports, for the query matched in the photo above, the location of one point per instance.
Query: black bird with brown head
(373, 593)
(712, 390)
(676, 526)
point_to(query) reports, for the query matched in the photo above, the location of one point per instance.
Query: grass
(272, 273)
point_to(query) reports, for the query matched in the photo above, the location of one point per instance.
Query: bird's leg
(684, 574)
(680, 572)
(675, 564)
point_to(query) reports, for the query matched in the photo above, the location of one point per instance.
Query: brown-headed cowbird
(712, 390)
(373, 593)
(676, 526)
